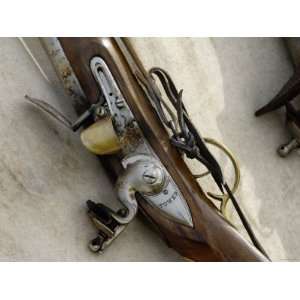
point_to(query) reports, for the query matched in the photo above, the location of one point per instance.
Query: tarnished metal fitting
(110, 223)
(285, 149)
(119, 103)
(153, 175)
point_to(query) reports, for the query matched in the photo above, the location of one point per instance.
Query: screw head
(100, 112)
(119, 103)
(152, 175)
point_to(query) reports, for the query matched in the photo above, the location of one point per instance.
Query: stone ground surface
(46, 174)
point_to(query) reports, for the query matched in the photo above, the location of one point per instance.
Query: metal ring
(224, 198)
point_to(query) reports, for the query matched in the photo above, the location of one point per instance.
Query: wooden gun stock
(212, 237)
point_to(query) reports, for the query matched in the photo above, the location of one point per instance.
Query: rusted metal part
(131, 140)
(65, 72)
(287, 98)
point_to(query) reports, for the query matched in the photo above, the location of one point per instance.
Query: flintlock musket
(141, 138)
